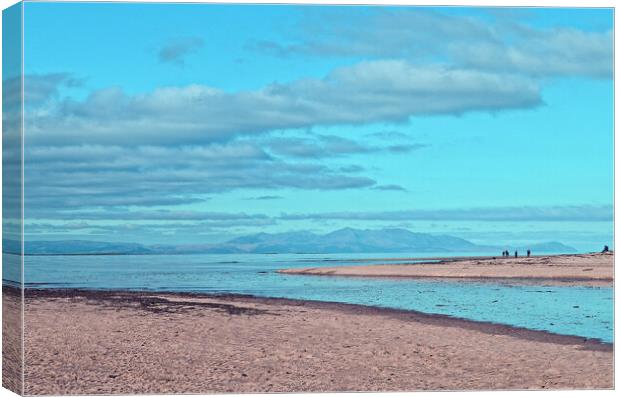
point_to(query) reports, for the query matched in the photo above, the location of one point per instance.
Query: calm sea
(583, 311)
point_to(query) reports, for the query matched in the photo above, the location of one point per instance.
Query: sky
(194, 123)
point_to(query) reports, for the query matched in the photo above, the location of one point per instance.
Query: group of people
(507, 253)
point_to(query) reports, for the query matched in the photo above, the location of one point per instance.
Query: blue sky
(162, 123)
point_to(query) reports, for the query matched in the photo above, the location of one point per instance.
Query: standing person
(516, 254)
(528, 253)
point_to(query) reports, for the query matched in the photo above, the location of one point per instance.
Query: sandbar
(575, 269)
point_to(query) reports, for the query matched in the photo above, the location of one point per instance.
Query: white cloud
(560, 52)
(378, 91)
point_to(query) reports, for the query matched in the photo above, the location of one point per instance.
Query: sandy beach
(11, 339)
(80, 342)
(578, 269)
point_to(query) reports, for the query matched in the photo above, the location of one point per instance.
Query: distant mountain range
(345, 240)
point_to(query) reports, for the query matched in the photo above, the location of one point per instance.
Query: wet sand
(80, 342)
(578, 269)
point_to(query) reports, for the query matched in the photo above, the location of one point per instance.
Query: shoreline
(541, 281)
(566, 269)
(128, 299)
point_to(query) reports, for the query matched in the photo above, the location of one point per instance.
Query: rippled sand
(81, 342)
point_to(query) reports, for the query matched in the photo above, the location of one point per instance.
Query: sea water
(570, 310)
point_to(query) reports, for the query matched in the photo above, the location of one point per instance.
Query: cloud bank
(581, 213)
(92, 176)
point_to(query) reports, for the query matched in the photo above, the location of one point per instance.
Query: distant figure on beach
(605, 249)
(528, 253)
(516, 254)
